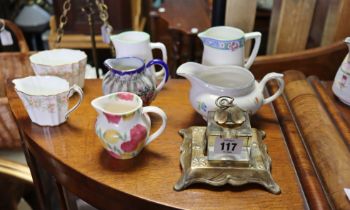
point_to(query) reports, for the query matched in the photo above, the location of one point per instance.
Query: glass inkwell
(227, 151)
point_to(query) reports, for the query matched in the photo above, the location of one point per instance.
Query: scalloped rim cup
(65, 63)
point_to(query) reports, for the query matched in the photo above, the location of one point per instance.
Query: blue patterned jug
(131, 74)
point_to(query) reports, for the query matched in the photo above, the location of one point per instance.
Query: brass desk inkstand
(228, 150)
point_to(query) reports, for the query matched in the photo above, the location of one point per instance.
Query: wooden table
(72, 156)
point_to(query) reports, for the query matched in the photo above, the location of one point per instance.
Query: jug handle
(280, 81)
(165, 76)
(161, 46)
(257, 37)
(75, 88)
(160, 130)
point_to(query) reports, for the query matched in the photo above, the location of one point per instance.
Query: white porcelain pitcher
(210, 82)
(224, 45)
(138, 44)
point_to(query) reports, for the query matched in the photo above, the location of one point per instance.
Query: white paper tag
(6, 38)
(105, 33)
(347, 192)
(228, 146)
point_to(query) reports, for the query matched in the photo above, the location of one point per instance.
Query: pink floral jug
(123, 125)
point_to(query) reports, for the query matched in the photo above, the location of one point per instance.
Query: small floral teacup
(46, 98)
(123, 125)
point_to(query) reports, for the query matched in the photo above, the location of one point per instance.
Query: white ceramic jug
(224, 45)
(210, 82)
(138, 44)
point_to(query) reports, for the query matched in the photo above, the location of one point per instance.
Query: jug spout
(207, 37)
(202, 35)
(189, 70)
(97, 104)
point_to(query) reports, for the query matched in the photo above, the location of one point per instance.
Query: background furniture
(16, 181)
(12, 64)
(289, 27)
(34, 21)
(310, 115)
(295, 25)
(181, 21)
(321, 61)
(123, 15)
(19, 41)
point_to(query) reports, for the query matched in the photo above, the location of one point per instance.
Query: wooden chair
(303, 35)
(16, 182)
(322, 62)
(15, 178)
(294, 25)
(9, 137)
(17, 35)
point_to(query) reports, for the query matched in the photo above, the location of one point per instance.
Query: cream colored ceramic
(341, 84)
(138, 44)
(65, 63)
(46, 98)
(123, 125)
(224, 45)
(210, 82)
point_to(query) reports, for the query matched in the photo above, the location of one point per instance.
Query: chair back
(13, 64)
(17, 35)
(294, 25)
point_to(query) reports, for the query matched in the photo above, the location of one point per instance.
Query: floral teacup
(123, 125)
(46, 98)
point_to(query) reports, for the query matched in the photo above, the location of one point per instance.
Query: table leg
(47, 192)
(35, 174)
(67, 199)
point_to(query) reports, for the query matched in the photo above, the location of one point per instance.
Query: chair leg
(11, 191)
(30, 196)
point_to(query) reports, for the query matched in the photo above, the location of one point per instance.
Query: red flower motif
(126, 96)
(113, 118)
(128, 146)
(138, 133)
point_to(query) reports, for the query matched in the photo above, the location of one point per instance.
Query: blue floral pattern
(202, 106)
(224, 44)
